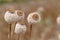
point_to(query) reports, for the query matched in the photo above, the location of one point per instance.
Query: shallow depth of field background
(47, 29)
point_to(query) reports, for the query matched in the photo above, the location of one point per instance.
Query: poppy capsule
(58, 36)
(20, 28)
(34, 17)
(58, 20)
(20, 14)
(40, 9)
(10, 16)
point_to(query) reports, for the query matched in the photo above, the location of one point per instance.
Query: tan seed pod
(34, 17)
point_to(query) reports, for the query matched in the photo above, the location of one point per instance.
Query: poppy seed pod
(20, 14)
(59, 36)
(10, 16)
(40, 10)
(20, 28)
(58, 20)
(34, 17)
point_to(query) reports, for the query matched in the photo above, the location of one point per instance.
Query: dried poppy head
(35, 17)
(11, 10)
(19, 12)
(20, 29)
(58, 20)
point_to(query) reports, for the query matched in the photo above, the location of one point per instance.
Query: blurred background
(47, 29)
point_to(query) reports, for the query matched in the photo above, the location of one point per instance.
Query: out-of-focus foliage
(3, 1)
(6, 1)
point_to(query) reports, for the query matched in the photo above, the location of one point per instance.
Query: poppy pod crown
(35, 17)
(20, 13)
(11, 10)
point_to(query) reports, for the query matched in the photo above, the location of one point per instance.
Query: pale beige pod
(20, 14)
(58, 36)
(10, 16)
(40, 9)
(34, 17)
(20, 28)
(58, 20)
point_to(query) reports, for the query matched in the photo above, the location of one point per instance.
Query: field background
(47, 29)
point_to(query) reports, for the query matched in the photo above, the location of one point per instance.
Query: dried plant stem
(12, 30)
(30, 30)
(18, 37)
(9, 33)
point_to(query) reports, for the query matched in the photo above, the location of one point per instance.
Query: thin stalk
(18, 37)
